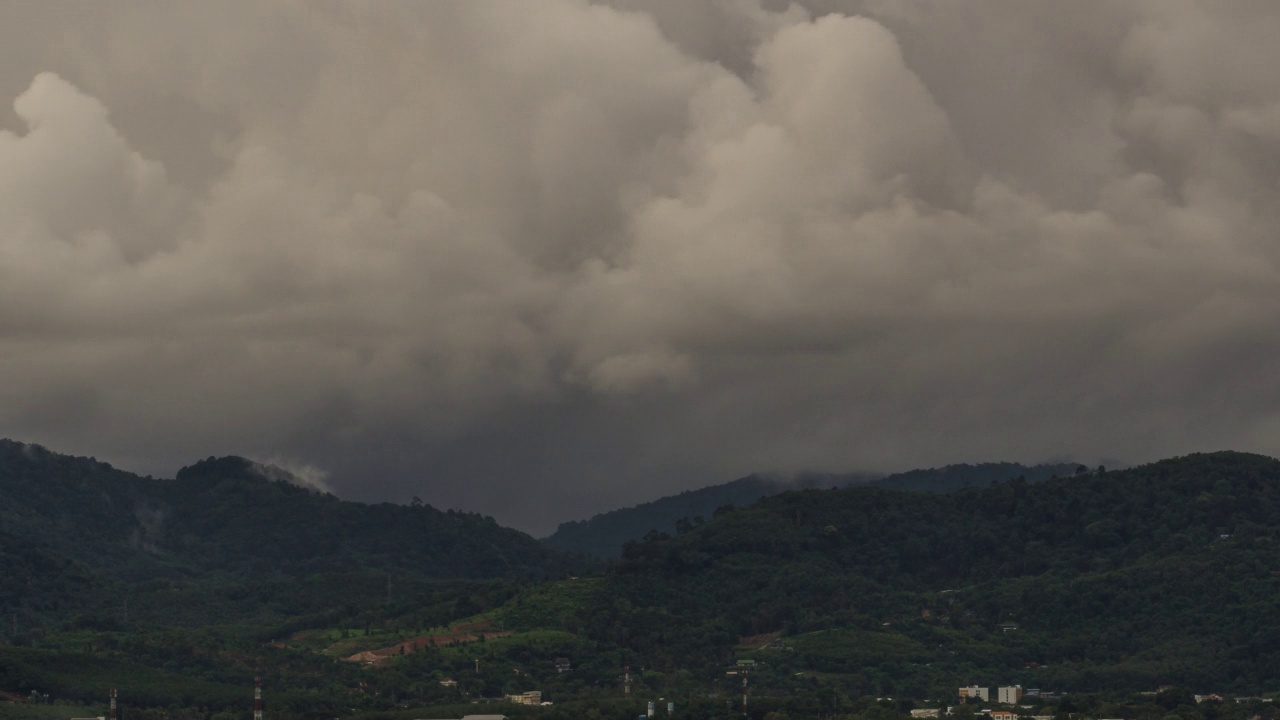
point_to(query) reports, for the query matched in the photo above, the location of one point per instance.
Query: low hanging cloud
(539, 260)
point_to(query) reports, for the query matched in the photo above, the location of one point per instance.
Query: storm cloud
(542, 259)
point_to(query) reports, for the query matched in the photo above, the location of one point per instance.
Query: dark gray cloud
(540, 259)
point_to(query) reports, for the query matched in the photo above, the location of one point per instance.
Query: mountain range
(1097, 585)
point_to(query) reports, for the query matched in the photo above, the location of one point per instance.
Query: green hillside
(78, 535)
(1094, 586)
(1111, 579)
(1098, 586)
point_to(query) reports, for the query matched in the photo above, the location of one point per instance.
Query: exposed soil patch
(758, 640)
(459, 635)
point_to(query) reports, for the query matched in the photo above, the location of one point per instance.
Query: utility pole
(744, 693)
(626, 681)
(257, 698)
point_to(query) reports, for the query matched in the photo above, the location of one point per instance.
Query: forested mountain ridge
(1091, 583)
(1161, 574)
(226, 514)
(603, 535)
(224, 520)
(950, 478)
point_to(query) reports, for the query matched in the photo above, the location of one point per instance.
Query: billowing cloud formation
(539, 259)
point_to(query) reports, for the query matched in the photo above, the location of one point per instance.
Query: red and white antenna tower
(257, 698)
(113, 704)
(626, 681)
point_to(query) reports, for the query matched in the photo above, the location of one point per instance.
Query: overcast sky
(541, 259)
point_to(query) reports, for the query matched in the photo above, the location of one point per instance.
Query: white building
(1010, 695)
(973, 691)
(533, 697)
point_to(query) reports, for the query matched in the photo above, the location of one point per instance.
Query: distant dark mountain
(225, 520)
(604, 535)
(956, 477)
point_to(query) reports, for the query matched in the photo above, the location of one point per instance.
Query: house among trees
(533, 697)
(562, 665)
